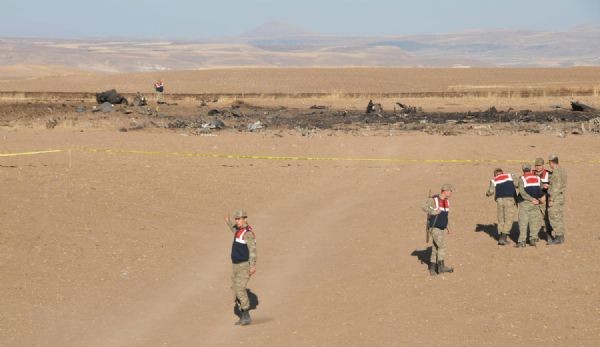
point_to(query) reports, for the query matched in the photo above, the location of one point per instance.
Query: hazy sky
(209, 18)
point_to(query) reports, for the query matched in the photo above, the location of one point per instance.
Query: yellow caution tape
(292, 158)
(31, 153)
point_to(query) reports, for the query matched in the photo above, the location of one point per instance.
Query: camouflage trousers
(555, 215)
(239, 280)
(505, 208)
(160, 97)
(530, 215)
(438, 249)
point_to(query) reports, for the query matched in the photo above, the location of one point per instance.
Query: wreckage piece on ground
(374, 108)
(578, 106)
(112, 97)
(405, 108)
(140, 100)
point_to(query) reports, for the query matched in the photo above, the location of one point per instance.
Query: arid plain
(117, 238)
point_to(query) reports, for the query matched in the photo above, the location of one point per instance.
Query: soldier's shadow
(492, 231)
(489, 229)
(423, 255)
(253, 298)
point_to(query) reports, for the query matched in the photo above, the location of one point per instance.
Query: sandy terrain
(124, 249)
(322, 80)
(432, 89)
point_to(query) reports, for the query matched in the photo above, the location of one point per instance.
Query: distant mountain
(277, 29)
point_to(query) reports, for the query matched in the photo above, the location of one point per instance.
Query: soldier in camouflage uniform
(243, 257)
(502, 187)
(530, 201)
(556, 200)
(437, 208)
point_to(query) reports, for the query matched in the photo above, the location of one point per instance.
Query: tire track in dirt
(197, 305)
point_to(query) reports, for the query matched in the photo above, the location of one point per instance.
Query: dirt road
(124, 249)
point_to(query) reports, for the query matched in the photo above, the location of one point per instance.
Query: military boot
(503, 240)
(442, 268)
(432, 269)
(560, 239)
(520, 244)
(533, 242)
(245, 319)
(239, 322)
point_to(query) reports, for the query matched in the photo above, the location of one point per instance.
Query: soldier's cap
(552, 157)
(447, 187)
(526, 167)
(240, 214)
(539, 161)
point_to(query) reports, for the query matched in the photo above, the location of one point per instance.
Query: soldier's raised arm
(229, 223)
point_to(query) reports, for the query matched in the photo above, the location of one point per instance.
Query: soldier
(544, 176)
(502, 186)
(556, 200)
(530, 199)
(437, 209)
(159, 88)
(243, 257)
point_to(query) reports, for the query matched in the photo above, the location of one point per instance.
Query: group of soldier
(537, 196)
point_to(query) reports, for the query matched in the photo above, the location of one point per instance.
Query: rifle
(427, 221)
(427, 227)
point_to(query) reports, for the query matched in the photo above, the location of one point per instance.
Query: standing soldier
(159, 88)
(502, 186)
(530, 199)
(437, 208)
(556, 200)
(243, 257)
(544, 176)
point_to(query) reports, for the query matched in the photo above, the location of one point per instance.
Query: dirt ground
(123, 248)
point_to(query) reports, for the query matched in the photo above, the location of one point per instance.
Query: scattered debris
(594, 124)
(135, 126)
(201, 131)
(106, 107)
(140, 100)
(580, 107)
(51, 123)
(216, 124)
(237, 104)
(255, 126)
(406, 109)
(111, 96)
(318, 107)
(213, 112)
(80, 109)
(177, 124)
(147, 111)
(374, 108)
